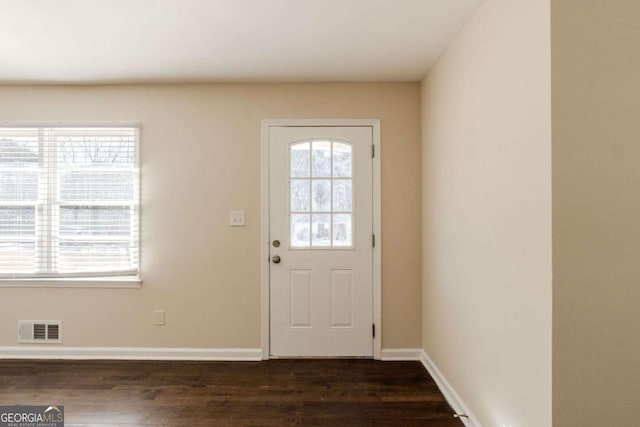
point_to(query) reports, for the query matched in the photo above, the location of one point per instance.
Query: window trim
(90, 280)
(95, 282)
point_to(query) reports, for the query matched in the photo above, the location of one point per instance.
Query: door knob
(276, 259)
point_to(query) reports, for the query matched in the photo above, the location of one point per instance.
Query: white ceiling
(124, 41)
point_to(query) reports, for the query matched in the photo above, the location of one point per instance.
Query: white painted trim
(130, 353)
(377, 250)
(377, 222)
(110, 124)
(418, 354)
(401, 354)
(320, 122)
(449, 393)
(264, 237)
(72, 283)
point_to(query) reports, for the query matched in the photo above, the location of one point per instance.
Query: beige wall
(596, 212)
(487, 214)
(200, 159)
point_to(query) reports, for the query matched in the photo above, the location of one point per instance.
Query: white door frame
(264, 221)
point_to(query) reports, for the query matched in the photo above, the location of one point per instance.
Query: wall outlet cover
(236, 218)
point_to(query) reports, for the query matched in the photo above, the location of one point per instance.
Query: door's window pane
(321, 159)
(321, 191)
(342, 195)
(300, 230)
(300, 195)
(341, 160)
(342, 230)
(321, 229)
(300, 158)
(321, 184)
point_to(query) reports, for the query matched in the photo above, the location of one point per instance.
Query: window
(321, 208)
(69, 201)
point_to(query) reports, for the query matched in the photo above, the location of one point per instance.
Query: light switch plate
(236, 218)
(158, 317)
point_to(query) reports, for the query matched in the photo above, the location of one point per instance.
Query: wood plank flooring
(271, 393)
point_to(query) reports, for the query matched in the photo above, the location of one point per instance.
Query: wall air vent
(39, 331)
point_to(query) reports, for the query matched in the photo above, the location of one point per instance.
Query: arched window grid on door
(321, 194)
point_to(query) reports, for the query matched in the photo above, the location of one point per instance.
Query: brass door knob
(276, 259)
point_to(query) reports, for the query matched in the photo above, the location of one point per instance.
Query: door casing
(264, 221)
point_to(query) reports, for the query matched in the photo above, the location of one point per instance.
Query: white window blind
(69, 201)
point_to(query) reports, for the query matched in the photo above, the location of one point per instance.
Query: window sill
(93, 282)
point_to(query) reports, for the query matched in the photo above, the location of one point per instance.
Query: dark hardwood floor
(274, 393)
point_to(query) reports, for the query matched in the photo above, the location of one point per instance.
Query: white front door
(321, 269)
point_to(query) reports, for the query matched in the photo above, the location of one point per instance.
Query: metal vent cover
(53, 331)
(39, 331)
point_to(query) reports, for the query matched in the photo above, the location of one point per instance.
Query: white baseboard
(447, 390)
(406, 354)
(400, 354)
(130, 353)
